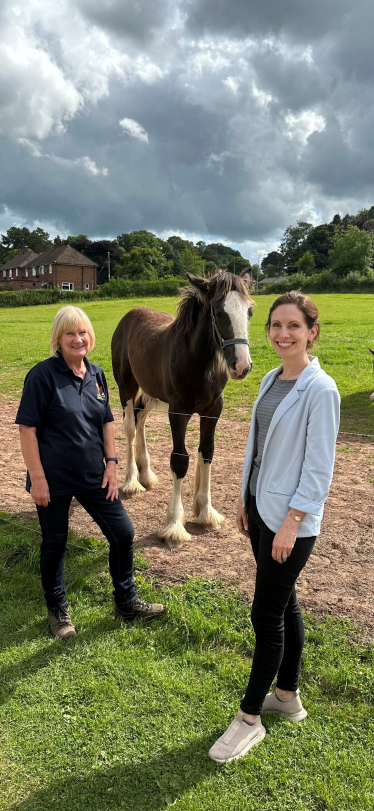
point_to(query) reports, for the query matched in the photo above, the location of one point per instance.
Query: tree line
(135, 256)
(341, 247)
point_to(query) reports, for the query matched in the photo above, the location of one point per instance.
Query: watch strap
(111, 459)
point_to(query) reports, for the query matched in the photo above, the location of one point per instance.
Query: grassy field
(347, 330)
(121, 718)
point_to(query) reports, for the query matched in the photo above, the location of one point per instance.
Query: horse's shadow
(153, 540)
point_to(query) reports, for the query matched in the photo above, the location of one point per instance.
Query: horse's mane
(194, 300)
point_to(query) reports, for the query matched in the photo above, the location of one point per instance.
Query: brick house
(62, 267)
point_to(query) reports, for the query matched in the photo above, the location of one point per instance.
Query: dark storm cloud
(229, 119)
(127, 18)
(301, 19)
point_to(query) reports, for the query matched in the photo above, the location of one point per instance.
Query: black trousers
(114, 523)
(276, 615)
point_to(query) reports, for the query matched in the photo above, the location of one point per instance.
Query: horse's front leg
(174, 532)
(202, 507)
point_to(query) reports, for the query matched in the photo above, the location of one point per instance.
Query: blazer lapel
(290, 400)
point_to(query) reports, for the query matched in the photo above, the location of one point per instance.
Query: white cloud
(301, 126)
(85, 162)
(134, 129)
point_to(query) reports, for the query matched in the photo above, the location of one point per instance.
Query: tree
(140, 264)
(191, 262)
(293, 244)
(138, 239)
(273, 258)
(306, 263)
(320, 241)
(353, 251)
(18, 238)
(237, 264)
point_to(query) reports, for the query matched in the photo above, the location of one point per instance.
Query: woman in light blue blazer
(287, 472)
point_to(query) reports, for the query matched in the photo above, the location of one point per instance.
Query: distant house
(271, 280)
(62, 267)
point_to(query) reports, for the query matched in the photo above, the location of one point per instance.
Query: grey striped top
(264, 415)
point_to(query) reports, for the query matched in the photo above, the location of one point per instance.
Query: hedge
(324, 282)
(117, 288)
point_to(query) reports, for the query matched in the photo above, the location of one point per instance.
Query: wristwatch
(295, 517)
(112, 459)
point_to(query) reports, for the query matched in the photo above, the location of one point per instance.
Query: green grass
(347, 330)
(120, 718)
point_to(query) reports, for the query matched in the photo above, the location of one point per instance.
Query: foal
(181, 366)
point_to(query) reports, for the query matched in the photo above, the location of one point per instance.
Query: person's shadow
(148, 785)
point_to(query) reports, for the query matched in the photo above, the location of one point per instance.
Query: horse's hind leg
(131, 484)
(143, 406)
(202, 506)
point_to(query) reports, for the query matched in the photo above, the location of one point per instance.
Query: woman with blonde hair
(67, 441)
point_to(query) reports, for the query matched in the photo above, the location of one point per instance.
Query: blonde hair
(66, 319)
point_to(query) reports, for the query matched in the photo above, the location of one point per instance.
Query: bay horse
(181, 365)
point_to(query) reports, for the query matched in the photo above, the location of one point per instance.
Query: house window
(4, 274)
(34, 271)
(10, 272)
(41, 269)
(26, 272)
(16, 271)
(50, 268)
(86, 286)
(67, 286)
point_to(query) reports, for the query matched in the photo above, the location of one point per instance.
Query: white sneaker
(237, 740)
(293, 709)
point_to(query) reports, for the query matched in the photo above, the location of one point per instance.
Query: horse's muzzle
(235, 376)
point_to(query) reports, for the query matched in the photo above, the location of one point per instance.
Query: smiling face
(74, 344)
(289, 333)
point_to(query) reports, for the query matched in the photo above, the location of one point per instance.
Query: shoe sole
(253, 742)
(299, 716)
(138, 617)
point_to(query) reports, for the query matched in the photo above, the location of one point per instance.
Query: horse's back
(140, 343)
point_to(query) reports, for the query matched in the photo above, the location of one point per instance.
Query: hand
(40, 492)
(284, 540)
(110, 479)
(242, 519)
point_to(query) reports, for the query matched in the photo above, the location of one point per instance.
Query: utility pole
(108, 266)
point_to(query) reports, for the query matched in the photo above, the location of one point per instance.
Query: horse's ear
(201, 285)
(246, 277)
(371, 350)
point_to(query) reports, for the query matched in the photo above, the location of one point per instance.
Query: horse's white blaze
(237, 309)
(146, 476)
(174, 531)
(202, 505)
(131, 485)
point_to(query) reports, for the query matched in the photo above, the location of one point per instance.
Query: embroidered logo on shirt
(100, 393)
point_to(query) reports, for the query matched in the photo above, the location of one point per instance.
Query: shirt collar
(61, 364)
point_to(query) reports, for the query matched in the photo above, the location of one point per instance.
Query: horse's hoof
(174, 534)
(132, 486)
(148, 479)
(208, 517)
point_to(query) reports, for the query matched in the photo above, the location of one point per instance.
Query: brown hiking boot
(60, 622)
(138, 609)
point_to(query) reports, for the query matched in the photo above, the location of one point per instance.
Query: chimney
(57, 240)
(24, 249)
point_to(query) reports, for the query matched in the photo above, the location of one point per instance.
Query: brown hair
(304, 304)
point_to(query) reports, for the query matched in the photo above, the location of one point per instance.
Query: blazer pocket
(280, 493)
(282, 486)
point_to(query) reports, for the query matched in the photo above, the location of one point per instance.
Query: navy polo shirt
(68, 414)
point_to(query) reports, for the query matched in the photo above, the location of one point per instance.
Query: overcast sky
(223, 120)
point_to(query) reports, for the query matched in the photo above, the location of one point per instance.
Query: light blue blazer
(299, 451)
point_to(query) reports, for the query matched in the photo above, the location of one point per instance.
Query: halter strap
(216, 333)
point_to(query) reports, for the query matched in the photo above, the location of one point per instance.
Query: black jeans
(276, 615)
(114, 523)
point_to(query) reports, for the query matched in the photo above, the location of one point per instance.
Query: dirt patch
(339, 577)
